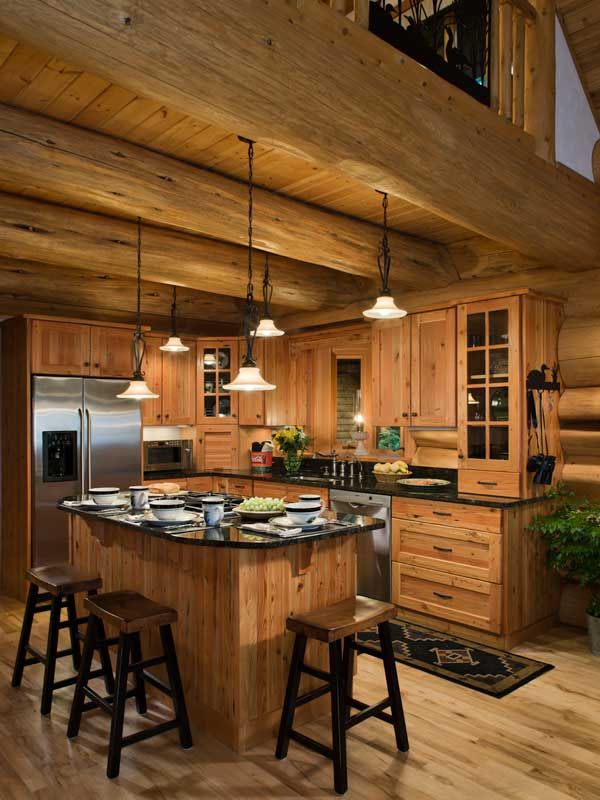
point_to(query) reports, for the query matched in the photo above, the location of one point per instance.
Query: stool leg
(340, 770)
(105, 662)
(73, 631)
(140, 686)
(51, 648)
(118, 715)
(291, 695)
(82, 678)
(348, 671)
(178, 697)
(391, 677)
(25, 634)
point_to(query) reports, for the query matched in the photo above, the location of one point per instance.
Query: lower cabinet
(218, 447)
(238, 486)
(202, 483)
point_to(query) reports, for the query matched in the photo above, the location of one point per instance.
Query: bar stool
(341, 621)
(60, 582)
(131, 613)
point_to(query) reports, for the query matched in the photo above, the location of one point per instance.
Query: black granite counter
(229, 533)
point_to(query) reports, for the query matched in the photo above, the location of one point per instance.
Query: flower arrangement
(292, 441)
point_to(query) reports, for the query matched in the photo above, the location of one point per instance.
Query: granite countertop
(369, 485)
(229, 533)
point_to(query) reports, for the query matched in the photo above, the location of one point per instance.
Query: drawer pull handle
(488, 483)
(442, 549)
(444, 596)
(443, 513)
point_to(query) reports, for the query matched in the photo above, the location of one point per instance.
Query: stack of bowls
(167, 509)
(303, 512)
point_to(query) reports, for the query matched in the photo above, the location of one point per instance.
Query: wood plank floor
(540, 743)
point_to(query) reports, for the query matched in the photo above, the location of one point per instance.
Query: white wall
(576, 129)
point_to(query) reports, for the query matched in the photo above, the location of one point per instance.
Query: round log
(583, 479)
(580, 406)
(579, 352)
(580, 444)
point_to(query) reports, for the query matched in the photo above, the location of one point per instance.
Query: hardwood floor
(540, 743)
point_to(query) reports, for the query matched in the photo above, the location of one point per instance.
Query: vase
(292, 461)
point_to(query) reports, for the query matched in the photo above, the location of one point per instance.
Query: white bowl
(105, 495)
(312, 499)
(167, 509)
(302, 513)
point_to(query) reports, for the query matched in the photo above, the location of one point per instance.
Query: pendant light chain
(250, 287)
(383, 258)
(267, 289)
(174, 313)
(138, 319)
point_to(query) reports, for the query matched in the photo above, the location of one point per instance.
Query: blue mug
(213, 509)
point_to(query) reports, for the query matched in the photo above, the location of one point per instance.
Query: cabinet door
(433, 368)
(218, 364)
(277, 371)
(251, 405)
(60, 348)
(152, 366)
(218, 447)
(111, 352)
(391, 372)
(179, 386)
(489, 385)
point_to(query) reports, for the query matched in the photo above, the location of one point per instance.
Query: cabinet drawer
(499, 484)
(474, 554)
(200, 484)
(450, 597)
(477, 518)
(241, 486)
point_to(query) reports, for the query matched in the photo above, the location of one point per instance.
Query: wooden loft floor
(463, 743)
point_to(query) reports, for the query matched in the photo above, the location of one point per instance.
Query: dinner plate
(424, 483)
(183, 519)
(285, 522)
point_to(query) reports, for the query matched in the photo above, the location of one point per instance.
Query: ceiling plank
(53, 234)
(62, 163)
(265, 70)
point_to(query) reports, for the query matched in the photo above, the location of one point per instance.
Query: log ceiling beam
(303, 78)
(65, 164)
(66, 237)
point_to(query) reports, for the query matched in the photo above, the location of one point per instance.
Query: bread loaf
(164, 488)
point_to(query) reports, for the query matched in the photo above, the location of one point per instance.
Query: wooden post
(540, 79)
(493, 43)
(505, 60)
(361, 13)
(518, 68)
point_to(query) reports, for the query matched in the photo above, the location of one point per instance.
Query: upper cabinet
(251, 405)
(60, 348)
(152, 368)
(217, 365)
(173, 377)
(390, 344)
(433, 368)
(111, 352)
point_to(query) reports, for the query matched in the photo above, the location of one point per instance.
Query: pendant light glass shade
(385, 307)
(138, 390)
(174, 345)
(249, 379)
(266, 328)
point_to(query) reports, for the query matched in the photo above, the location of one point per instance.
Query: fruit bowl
(390, 477)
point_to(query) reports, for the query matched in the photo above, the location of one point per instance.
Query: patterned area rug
(484, 669)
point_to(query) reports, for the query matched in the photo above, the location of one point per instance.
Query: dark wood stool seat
(334, 625)
(131, 613)
(60, 583)
(63, 579)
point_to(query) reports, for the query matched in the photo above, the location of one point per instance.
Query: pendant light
(137, 389)
(266, 327)
(174, 345)
(385, 307)
(249, 378)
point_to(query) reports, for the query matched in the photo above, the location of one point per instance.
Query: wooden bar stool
(131, 613)
(60, 583)
(333, 624)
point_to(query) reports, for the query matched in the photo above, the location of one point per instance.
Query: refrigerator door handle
(81, 457)
(89, 447)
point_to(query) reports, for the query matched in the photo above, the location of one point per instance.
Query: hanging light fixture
(137, 389)
(385, 307)
(249, 378)
(266, 327)
(174, 345)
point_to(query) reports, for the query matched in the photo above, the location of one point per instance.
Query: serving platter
(423, 483)
(258, 515)
(285, 522)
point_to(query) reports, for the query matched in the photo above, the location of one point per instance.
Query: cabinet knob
(158, 416)
(461, 455)
(166, 416)
(86, 363)
(405, 413)
(414, 414)
(96, 366)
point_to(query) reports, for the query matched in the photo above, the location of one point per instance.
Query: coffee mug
(139, 497)
(213, 509)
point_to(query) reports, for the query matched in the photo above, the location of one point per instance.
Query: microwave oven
(173, 454)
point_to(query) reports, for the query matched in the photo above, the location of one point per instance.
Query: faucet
(355, 460)
(333, 464)
(342, 469)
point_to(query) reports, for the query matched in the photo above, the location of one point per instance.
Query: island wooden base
(231, 641)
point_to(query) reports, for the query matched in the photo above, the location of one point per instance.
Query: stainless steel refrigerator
(83, 436)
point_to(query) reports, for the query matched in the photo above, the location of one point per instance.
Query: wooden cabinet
(181, 482)
(232, 485)
(289, 491)
(217, 365)
(433, 368)
(390, 365)
(201, 483)
(60, 348)
(173, 377)
(277, 366)
(218, 447)
(111, 352)
(152, 368)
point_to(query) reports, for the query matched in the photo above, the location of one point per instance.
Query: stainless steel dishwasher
(374, 547)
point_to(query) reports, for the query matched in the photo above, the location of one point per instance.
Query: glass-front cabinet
(489, 380)
(217, 366)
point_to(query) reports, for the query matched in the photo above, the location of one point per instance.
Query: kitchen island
(233, 592)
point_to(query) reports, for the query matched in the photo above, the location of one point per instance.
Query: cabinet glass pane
(476, 330)
(224, 358)
(476, 367)
(209, 358)
(210, 382)
(499, 442)
(476, 441)
(210, 406)
(499, 365)
(476, 405)
(224, 377)
(499, 404)
(225, 406)
(499, 326)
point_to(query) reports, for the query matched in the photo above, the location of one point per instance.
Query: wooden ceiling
(581, 22)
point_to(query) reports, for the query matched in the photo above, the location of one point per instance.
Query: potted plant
(292, 441)
(572, 532)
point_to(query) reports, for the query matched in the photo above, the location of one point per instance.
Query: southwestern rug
(483, 669)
